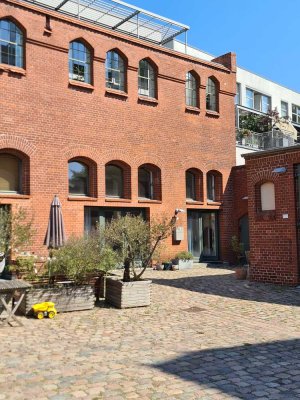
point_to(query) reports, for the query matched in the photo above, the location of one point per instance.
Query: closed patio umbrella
(55, 236)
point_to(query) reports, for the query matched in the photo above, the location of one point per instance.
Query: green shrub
(184, 255)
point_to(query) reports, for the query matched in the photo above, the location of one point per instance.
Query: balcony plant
(241, 269)
(184, 260)
(136, 242)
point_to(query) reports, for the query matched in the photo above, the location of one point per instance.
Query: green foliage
(108, 260)
(136, 240)
(255, 123)
(184, 255)
(26, 265)
(16, 230)
(237, 248)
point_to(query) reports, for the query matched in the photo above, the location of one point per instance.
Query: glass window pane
(114, 181)
(79, 62)
(78, 178)
(9, 173)
(191, 90)
(11, 44)
(284, 109)
(115, 71)
(211, 187)
(146, 79)
(249, 98)
(211, 103)
(145, 184)
(190, 185)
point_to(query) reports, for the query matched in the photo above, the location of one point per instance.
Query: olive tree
(136, 241)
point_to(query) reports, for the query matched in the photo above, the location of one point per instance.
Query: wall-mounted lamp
(279, 170)
(179, 210)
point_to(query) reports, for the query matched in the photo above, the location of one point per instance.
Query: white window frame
(296, 115)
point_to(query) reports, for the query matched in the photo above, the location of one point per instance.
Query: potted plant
(136, 241)
(167, 264)
(184, 260)
(241, 270)
(16, 232)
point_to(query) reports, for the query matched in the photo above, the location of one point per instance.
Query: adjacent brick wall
(52, 121)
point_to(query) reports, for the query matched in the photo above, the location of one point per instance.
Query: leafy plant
(184, 255)
(26, 265)
(238, 249)
(136, 240)
(16, 230)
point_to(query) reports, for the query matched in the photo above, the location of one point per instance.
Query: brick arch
(24, 167)
(126, 170)
(80, 151)
(156, 176)
(92, 173)
(17, 143)
(263, 176)
(198, 174)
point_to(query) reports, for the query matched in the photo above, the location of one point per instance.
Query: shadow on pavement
(226, 285)
(258, 371)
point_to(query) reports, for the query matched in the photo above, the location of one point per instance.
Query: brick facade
(50, 121)
(273, 234)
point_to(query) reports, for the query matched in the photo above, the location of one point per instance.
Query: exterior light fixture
(279, 170)
(179, 210)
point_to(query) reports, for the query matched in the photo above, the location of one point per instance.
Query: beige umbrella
(55, 236)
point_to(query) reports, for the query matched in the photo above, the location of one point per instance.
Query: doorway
(203, 235)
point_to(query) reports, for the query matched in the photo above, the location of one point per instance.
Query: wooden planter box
(128, 294)
(72, 298)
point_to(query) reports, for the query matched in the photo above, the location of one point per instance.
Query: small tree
(136, 241)
(16, 230)
(238, 249)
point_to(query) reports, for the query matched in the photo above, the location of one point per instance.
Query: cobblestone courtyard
(205, 336)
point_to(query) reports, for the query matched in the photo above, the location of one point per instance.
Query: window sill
(115, 92)
(150, 201)
(82, 198)
(211, 113)
(145, 99)
(12, 69)
(191, 109)
(14, 196)
(81, 84)
(117, 200)
(194, 202)
(214, 203)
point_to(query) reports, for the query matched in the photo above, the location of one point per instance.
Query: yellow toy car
(46, 309)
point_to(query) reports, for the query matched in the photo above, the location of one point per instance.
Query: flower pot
(241, 273)
(67, 298)
(185, 264)
(128, 294)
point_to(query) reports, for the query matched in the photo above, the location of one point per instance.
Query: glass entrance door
(203, 240)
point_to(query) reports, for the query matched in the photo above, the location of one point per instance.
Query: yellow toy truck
(46, 309)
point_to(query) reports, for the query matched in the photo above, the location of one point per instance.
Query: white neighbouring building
(258, 95)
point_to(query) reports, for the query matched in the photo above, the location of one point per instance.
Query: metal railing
(264, 141)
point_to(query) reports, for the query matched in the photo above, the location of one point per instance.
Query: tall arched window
(190, 182)
(10, 174)
(211, 95)
(147, 79)
(79, 62)
(78, 178)
(114, 181)
(115, 71)
(191, 90)
(11, 44)
(145, 183)
(267, 196)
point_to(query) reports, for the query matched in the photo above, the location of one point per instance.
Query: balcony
(264, 141)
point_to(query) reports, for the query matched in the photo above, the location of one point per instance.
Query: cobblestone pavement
(205, 336)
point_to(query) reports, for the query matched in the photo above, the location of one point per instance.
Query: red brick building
(269, 185)
(113, 123)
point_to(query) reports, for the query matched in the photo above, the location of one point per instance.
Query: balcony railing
(264, 141)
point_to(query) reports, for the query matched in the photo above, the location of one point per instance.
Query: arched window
(78, 178)
(11, 44)
(145, 183)
(147, 79)
(214, 186)
(79, 62)
(190, 182)
(115, 71)
(114, 181)
(10, 174)
(211, 95)
(191, 90)
(267, 196)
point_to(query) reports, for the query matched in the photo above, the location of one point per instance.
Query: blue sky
(263, 33)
